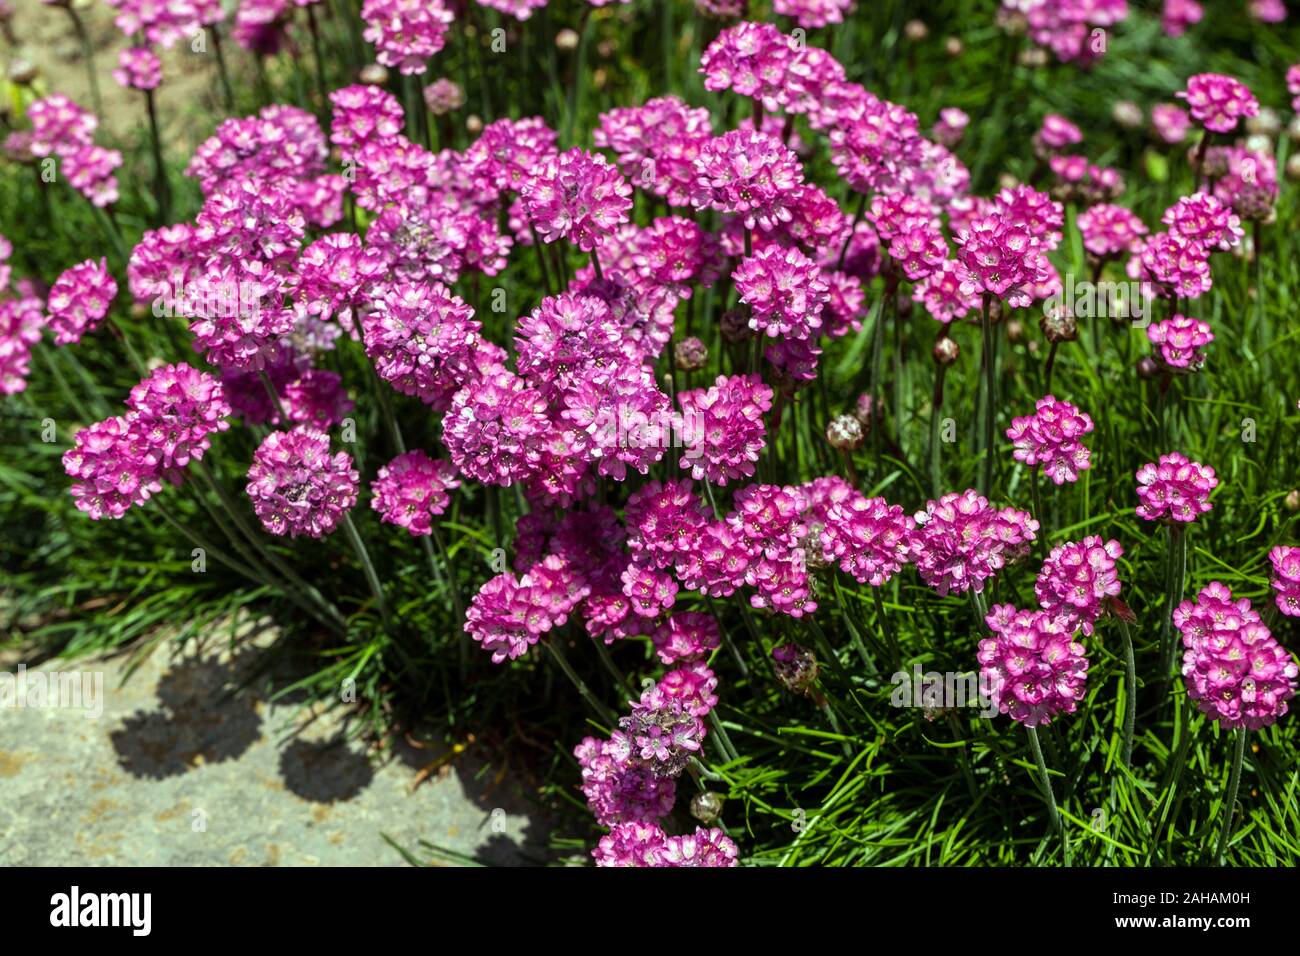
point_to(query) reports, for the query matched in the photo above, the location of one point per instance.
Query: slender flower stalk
(1230, 798)
(1045, 785)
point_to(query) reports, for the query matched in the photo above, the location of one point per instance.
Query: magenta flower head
(686, 636)
(364, 114)
(1055, 135)
(79, 300)
(1218, 102)
(1293, 85)
(722, 427)
(1233, 667)
(870, 538)
(751, 174)
(444, 96)
(751, 60)
(175, 409)
(1110, 231)
(138, 68)
(1032, 667)
(406, 32)
(1177, 15)
(113, 468)
(665, 522)
(412, 489)
(1177, 267)
(60, 126)
(509, 615)
(1204, 220)
(577, 196)
(496, 428)
(1181, 340)
(619, 791)
(962, 541)
(1286, 579)
(1170, 122)
(1076, 579)
(875, 143)
(1052, 437)
(90, 172)
(785, 291)
(298, 487)
(660, 734)
(1002, 259)
(1174, 489)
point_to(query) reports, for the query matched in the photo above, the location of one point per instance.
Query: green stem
(1045, 783)
(986, 465)
(88, 54)
(372, 576)
(887, 629)
(1130, 692)
(160, 170)
(1234, 783)
(605, 714)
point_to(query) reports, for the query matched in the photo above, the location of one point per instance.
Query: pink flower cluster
(645, 844)
(1233, 667)
(1181, 340)
(1076, 580)
(1174, 489)
(138, 68)
(79, 300)
(723, 427)
(298, 487)
(1110, 231)
(1286, 579)
(1218, 102)
(1052, 437)
(962, 541)
(406, 32)
(1032, 666)
(412, 489)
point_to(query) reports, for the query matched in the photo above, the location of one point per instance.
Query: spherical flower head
(444, 96)
(1001, 257)
(1052, 437)
(812, 14)
(750, 174)
(722, 9)
(364, 114)
(1177, 267)
(1056, 134)
(59, 126)
(1076, 579)
(412, 489)
(720, 564)
(950, 127)
(785, 291)
(406, 32)
(768, 517)
(660, 734)
(298, 487)
(1033, 668)
(279, 143)
(941, 292)
(1181, 340)
(722, 427)
(90, 172)
(795, 667)
(793, 363)
(577, 196)
(674, 251)
(686, 636)
(962, 541)
(1110, 231)
(564, 339)
(1286, 579)
(751, 60)
(496, 427)
(161, 21)
(1218, 102)
(920, 251)
(1267, 11)
(1248, 183)
(1171, 122)
(651, 592)
(79, 300)
(337, 275)
(509, 615)
(665, 522)
(113, 468)
(656, 144)
(138, 68)
(422, 340)
(519, 9)
(711, 848)
(626, 416)
(1174, 489)
(619, 791)
(1177, 15)
(875, 143)
(175, 410)
(1235, 670)
(869, 538)
(1205, 221)
(626, 844)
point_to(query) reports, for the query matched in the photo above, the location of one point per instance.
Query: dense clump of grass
(856, 781)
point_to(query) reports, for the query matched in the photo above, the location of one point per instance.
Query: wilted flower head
(1174, 489)
(1052, 437)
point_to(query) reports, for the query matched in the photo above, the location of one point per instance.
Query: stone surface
(184, 766)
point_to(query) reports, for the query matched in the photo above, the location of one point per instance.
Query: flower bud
(473, 124)
(706, 807)
(864, 410)
(915, 30)
(1292, 500)
(690, 355)
(567, 39)
(373, 74)
(953, 47)
(1015, 331)
(1147, 367)
(1128, 114)
(844, 432)
(1059, 325)
(735, 326)
(795, 667)
(946, 351)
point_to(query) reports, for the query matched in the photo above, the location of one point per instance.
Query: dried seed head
(373, 74)
(735, 326)
(1059, 325)
(1292, 500)
(1128, 114)
(946, 351)
(844, 432)
(795, 667)
(690, 355)
(567, 39)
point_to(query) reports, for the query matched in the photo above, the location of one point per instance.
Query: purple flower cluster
(1286, 579)
(1052, 437)
(962, 541)
(1181, 340)
(79, 300)
(412, 489)
(1076, 580)
(1032, 665)
(1174, 489)
(298, 487)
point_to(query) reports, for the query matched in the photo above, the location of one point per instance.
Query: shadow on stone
(198, 722)
(324, 771)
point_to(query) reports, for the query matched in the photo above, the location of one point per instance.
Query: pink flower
(1218, 102)
(519, 9)
(364, 114)
(160, 21)
(566, 339)
(90, 172)
(1233, 667)
(577, 196)
(665, 522)
(1037, 212)
(1204, 220)
(812, 14)
(874, 143)
(1171, 122)
(751, 60)
(138, 68)
(659, 734)
(710, 848)
(1001, 258)
(870, 538)
(175, 409)
(657, 144)
(337, 277)
(951, 125)
(444, 96)
(114, 468)
(412, 489)
(1178, 15)
(750, 174)
(1052, 437)
(1032, 666)
(722, 427)
(1056, 134)
(941, 292)
(1268, 11)
(1293, 85)
(279, 143)
(60, 126)
(1076, 579)
(784, 290)
(1109, 231)
(406, 32)
(1286, 579)
(651, 592)
(496, 427)
(962, 541)
(720, 564)
(79, 299)
(686, 636)
(1174, 489)
(619, 791)
(1179, 268)
(1181, 339)
(298, 487)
